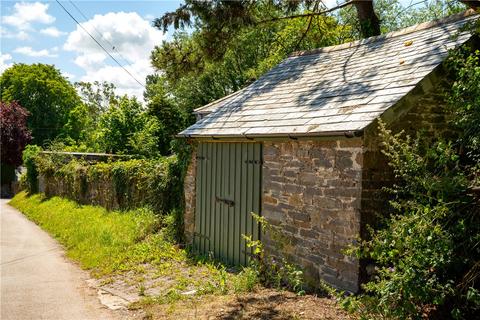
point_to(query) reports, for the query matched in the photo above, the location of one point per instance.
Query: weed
(272, 271)
(141, 290)
(112, 242)
(246, 280)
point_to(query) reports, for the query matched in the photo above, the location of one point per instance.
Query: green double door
(228, 187)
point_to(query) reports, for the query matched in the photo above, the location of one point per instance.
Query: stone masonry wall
(311, 193)
(190, 198)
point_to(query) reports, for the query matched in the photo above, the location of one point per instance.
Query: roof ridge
(392, 34)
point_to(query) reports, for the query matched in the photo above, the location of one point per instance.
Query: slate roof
(336, 89)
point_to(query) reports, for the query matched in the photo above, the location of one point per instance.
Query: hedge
(113, 184)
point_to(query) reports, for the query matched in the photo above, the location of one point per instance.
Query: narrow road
(37, 281)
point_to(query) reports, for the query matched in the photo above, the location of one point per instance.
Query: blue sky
(41, 31)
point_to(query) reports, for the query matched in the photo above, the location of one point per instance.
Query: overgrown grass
(99, 240)
(112, 242)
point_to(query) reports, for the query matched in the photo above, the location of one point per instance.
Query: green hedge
(114, 184)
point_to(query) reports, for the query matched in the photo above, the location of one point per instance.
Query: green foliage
(130, 184)
(45, 93)
(423, 251)
(395, 14)
(246, 281)
(169, 118)
(118, 123)
(464, 100)
(31, 177)
(426, 253)
(100, 240)
(97, 96)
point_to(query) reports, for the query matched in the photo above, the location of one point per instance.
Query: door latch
(228, 202)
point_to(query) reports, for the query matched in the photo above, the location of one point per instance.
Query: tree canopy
(45, 93)
(15, 134)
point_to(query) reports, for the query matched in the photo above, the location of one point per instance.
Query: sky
(42, 32)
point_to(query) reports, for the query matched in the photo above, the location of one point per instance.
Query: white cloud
(52, 32)
(4, 64)
(92, 61)
(149, 17)
(28, 51)
(25, 13)
(18, 35)
(132, 37)
(125, 84)
(68, 75)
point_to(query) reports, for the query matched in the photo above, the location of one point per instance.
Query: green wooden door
(228, 187)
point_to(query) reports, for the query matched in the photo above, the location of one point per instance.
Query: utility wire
(99, 44)
(100, 34)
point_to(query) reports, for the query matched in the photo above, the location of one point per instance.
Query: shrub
(426, 253)
(272, 271)
(30, 182)
(116, 184)
(15, 134)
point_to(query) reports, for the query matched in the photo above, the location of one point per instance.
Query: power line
(99, 33)
(98, 43)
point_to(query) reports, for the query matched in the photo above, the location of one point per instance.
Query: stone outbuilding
(300, 147)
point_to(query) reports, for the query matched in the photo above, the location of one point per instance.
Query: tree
(97, 96)
(82, 129)
(45, 93)
(15, 134)
(221, 20)
(168, 115)
(126, 128)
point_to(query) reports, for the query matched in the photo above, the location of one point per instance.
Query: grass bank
(99, 240)
(136, 242)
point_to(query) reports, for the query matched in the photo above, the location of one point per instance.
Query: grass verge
(113, 242)
(99, 240)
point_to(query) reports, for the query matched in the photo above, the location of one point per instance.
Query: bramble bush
(427, 252)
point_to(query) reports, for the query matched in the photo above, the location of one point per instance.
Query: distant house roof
(336, 89)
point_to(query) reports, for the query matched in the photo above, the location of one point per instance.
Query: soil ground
(263, 304)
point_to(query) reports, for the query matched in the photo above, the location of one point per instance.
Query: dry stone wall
(190, 198)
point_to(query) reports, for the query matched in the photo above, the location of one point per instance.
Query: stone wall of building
(311, 193)
(190, 198)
